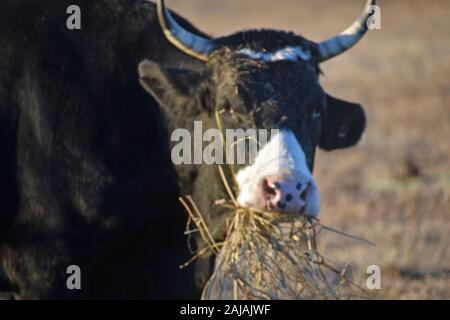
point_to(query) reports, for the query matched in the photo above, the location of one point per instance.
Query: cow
(86, 175)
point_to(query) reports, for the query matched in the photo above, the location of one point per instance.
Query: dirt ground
(394, 187)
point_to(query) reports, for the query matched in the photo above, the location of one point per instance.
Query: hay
(270, 256)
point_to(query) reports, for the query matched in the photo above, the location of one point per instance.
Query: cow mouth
(269, 192)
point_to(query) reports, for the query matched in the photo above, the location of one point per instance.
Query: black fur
(85, 174)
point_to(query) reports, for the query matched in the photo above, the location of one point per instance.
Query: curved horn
(191, 44)
(347, 38)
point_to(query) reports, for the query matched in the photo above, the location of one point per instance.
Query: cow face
(264, 80)
(253, 93)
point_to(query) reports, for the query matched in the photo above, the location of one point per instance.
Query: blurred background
(394, 187)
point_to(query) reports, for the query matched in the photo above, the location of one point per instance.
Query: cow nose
(287, 195)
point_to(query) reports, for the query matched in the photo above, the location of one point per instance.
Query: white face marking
(283, 160)
(285, 54)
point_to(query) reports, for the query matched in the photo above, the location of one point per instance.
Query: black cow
(86, 176)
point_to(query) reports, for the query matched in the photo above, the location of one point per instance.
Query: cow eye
(317, 113)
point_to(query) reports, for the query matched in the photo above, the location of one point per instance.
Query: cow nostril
(270, 190)
(304, 193)
(281, 205)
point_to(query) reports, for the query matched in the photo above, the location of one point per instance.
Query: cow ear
(174, 89)
(342, 124)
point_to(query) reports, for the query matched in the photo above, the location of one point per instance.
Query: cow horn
(347, 38)
(191, 44)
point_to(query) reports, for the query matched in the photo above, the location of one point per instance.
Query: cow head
(264, 79)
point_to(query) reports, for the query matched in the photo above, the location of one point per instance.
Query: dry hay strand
(267, 255)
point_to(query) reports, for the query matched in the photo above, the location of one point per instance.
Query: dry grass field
(394, 187)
